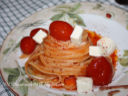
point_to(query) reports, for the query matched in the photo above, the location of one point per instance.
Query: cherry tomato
(70, 83)
(101, 71)
(60, 30)
(55, 83)
(27, 45)
(34, 31)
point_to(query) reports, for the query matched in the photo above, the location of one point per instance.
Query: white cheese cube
(107, 44)
(84, 84)
(96, 51)
(39, 36)
(76, 35)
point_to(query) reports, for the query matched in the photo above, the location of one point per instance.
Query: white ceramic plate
(103, 19)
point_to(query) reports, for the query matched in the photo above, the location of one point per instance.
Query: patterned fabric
(4, 91)
(14, 11)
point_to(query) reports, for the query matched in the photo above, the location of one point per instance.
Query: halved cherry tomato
(94, 37)
(60, 30)
(55, 83)
(34, 31)
(27, 45)
(101, 71)
(70, 83)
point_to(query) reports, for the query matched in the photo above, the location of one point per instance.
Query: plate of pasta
(76, 49)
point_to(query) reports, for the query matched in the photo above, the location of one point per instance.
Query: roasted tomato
(60, 30)
(27, 45)
(70, 83)
(101, 71)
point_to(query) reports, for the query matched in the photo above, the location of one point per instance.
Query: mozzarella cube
(107, 44)
(39, 36)
(76, 35)
(84, 84)
(96, 51)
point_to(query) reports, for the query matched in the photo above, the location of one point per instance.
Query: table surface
(14, 11)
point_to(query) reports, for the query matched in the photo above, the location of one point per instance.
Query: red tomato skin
(101, 71)
(108, 15)
(27, 45)
(34, 31)
(60, 30)
(70, 83)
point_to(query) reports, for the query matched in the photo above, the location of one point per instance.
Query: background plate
(104, 19)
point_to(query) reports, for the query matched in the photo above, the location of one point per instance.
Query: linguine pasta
(55, 60)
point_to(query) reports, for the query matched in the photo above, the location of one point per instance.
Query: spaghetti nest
(58, 59)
